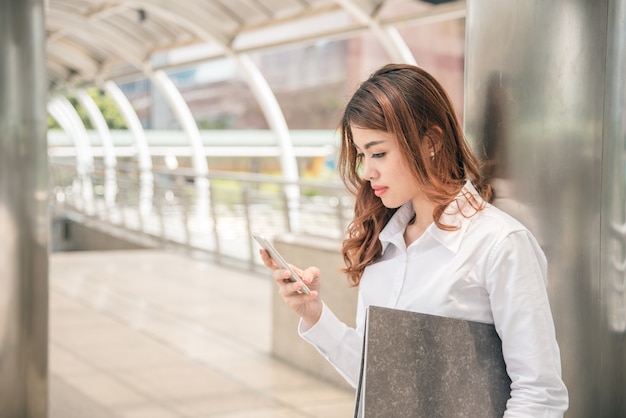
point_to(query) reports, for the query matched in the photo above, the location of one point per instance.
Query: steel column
(613, 218)
(23, 211)
(546, 99)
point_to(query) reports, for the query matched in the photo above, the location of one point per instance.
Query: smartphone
(266, 244)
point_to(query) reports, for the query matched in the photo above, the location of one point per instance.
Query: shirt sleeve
(516, 282)
(338, 343)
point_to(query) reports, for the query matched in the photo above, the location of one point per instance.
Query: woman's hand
(308, 307)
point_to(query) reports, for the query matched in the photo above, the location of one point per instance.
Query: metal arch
(257, 83)
(63, 112)
(199, 161)
(90, 25)
(189, 12)
(179, 108)
(183, 114)
(84, 156)
(132, 21)
(110, 160)
(240, 32)
(109, 41)
(56, 69)
(388, 35)
(273, 113)
(72, 56)
(144, 159)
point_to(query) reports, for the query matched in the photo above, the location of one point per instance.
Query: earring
(432, 154)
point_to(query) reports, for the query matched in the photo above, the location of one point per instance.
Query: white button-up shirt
(491, 270)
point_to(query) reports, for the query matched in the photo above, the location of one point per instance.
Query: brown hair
(410, 104)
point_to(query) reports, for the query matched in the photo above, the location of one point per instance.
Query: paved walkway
(153, 334)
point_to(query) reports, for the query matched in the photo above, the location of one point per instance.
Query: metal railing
(212, 216)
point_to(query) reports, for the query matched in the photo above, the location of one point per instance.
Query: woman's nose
(368, 172)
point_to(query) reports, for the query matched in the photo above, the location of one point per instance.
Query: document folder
(423, 366)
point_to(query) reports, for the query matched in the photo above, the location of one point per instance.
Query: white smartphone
(282, 263)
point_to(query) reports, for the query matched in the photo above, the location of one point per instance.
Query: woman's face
(385, 167)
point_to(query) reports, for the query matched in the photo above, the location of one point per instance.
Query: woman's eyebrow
(370, 144)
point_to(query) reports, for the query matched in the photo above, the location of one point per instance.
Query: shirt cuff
(326, 334)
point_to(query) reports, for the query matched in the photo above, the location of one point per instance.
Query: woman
(424, 239)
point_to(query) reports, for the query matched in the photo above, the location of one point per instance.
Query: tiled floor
(152, 334)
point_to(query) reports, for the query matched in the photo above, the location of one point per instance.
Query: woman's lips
(379, 191)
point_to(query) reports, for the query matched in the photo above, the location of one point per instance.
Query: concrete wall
(70, 235)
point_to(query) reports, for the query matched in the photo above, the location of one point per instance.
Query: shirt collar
(393, 232)
(457, 214)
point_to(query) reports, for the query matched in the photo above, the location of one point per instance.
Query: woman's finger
(287, 290)
(281, 276)
(267, 260)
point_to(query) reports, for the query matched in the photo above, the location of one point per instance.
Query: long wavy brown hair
(410, 104)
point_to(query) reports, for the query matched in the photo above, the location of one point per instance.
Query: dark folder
(419, 365)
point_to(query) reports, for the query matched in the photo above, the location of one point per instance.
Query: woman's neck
(421, 221)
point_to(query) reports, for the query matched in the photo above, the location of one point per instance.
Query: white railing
(172, 214)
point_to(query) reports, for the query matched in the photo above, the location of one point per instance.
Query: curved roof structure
(90, 41)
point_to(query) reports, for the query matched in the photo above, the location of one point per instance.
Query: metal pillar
(23, 211)
(546, 99)
(613, 217)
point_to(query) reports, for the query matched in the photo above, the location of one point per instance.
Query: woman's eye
(378, 155)
(359, 156)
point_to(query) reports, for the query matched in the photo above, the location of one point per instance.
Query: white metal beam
(101, 127)
(388, 35)
(187, 122)
(257, 83)
(64, 113)
(144, 159)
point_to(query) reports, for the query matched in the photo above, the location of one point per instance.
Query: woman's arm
(338, 343)
(516, 282)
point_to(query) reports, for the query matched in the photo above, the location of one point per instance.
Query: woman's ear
(433, 140)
